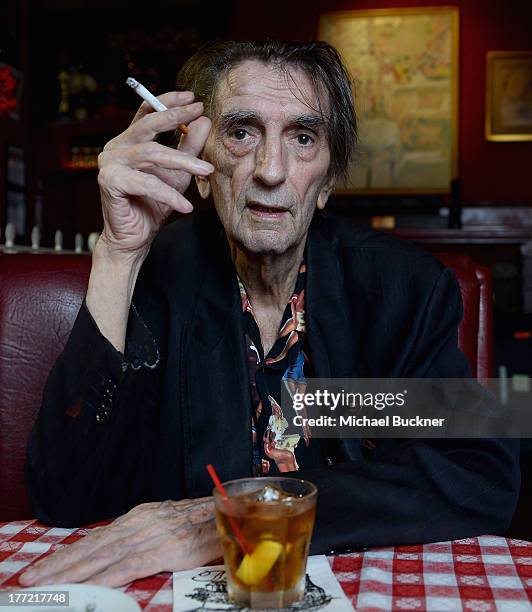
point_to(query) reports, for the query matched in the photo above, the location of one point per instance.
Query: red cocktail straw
(234, 525)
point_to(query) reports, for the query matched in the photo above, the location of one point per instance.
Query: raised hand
(142, 182)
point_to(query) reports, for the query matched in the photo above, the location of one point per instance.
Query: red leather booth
(475, 334)
(40, 295)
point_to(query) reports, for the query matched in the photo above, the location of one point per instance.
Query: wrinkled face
(271, 157)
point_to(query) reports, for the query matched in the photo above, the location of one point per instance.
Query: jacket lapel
(332, 332)
(216, 399)
(330, 329)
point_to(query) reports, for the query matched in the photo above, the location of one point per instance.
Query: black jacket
(115, 430)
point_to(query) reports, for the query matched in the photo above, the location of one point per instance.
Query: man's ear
(324, 194)
(204, 186)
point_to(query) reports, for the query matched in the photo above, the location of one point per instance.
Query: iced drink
(266, 525)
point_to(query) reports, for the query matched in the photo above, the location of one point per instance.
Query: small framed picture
(509, 96)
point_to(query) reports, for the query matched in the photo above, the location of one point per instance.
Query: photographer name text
(365, 421)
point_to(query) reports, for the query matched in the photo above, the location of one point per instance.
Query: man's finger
(76, 563)
(129, 533)
(94, 563)
(120, 562)
(110, 541)
(82, 549)
(130, 182)
(149, 154)
(170, 99)
(198, 132)
(153, 124)
(64, 558)
(138, 565)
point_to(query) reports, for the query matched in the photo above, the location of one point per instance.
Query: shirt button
(102, 417)
(102, 414)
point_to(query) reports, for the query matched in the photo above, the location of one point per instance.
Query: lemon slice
(255, 567)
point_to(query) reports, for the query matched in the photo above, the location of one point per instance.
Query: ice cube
(269, 494)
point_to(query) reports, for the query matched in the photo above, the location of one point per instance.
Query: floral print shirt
(286, 363)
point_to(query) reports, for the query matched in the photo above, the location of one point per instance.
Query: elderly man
(177, 356)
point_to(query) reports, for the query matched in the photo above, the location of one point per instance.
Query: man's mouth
(267, 211)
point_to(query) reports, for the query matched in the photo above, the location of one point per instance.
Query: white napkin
(205, 589)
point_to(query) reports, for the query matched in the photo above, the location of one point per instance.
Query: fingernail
(28, 577)
(205, 167)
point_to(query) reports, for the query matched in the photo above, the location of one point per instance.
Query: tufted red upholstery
(39, 299)
(475, 334)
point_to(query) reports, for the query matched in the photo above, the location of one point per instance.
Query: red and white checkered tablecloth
(482, 574)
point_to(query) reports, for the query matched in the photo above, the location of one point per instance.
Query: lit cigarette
(148, 97)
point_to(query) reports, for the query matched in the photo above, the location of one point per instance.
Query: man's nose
(270, 162)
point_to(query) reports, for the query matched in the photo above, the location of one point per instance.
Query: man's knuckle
(164, 513)
(151, 149)
(150, 121)
(167, 504)
(102, 158)
(108, 174)
(148, 507)
(103, 177)
(153, 183)
(109, 144)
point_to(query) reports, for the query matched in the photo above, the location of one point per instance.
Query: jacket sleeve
(88, 455)
(413, 491)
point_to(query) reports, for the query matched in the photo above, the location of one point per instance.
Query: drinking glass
(266, 525)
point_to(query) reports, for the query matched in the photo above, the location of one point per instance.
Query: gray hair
(318, 60)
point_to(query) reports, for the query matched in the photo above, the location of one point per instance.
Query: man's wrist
(122, 260)
(110, 290)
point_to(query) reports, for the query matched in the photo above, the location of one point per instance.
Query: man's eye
(239, 134)
(304, 139)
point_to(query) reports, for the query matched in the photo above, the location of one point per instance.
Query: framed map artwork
(404, 64)
(509, 96)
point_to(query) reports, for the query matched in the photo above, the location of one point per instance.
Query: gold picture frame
(404, 63)
(509, 96)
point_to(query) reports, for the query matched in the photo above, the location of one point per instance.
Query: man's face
(271, 157)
